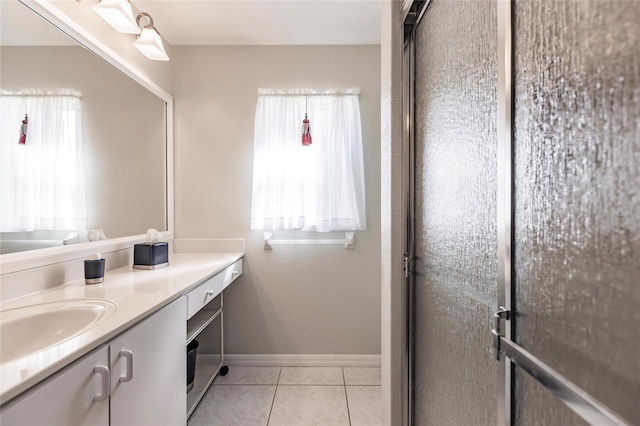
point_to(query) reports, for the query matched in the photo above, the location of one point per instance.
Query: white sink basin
(34, 328)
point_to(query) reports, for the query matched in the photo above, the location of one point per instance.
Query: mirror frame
(14, 262)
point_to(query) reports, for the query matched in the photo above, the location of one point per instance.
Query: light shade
(150, 44)
(118, 14)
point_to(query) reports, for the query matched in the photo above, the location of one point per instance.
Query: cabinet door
(67, 398)
(148, 370)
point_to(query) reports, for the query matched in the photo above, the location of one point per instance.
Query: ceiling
(245, 22)
(223, 22)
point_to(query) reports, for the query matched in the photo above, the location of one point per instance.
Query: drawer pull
(235, 273)
(128, 356)
(210, 293)
(105, 387)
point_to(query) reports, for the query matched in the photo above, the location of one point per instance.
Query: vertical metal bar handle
(505, 202)
(128, 356)
(105, 387)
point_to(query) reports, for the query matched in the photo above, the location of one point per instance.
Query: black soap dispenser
(94, 269)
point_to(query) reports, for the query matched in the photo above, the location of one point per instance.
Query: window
(319, 187)
(42, 181)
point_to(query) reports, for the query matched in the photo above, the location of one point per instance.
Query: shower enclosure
(523, 139)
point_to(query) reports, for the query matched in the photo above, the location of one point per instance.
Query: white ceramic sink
(34, 328)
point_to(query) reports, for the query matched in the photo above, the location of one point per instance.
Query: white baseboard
(299, 360)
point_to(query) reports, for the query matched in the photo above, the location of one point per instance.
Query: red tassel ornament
(306, 128)
(23, 131)
(306, 131)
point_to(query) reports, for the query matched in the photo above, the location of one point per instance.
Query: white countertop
(137, 294)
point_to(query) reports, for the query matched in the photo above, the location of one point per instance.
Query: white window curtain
(319, 187)
(42, 181)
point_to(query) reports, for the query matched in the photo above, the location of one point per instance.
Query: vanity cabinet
(137, 379)
(148, 365)
(78, 395)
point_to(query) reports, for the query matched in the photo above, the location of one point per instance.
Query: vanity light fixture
(149, 41)
(118, 14)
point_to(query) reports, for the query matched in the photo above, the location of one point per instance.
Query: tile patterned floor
(294, 396)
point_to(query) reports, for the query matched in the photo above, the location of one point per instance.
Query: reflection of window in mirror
(43, 178)
(123, 133)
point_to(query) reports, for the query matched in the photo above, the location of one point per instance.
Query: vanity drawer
(231, 273)
(208, 290)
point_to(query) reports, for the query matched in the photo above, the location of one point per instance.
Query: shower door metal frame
(505, 211)
(412, 13)
(508, 353)
(408, 201)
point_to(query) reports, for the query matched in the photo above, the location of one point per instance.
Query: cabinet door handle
(105, 387)
(128, 356)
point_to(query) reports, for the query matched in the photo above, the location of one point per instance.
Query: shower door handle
(408, 262)
(501, 314)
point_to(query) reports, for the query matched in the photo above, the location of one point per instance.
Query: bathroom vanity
(129, 365)
(110, 353)
(205, 311)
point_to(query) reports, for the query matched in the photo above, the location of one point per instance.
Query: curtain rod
(16, 95)
(352, 91)
(302, 95)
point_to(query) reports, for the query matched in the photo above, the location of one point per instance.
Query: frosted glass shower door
(577, 203)
(455, 213)
(530, 108)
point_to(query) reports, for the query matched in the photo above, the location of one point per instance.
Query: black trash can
(192, 351)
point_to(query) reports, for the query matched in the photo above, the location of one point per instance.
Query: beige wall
(293, 299)
(122, 129)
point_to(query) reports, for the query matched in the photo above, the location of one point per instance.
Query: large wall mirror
(82, 145)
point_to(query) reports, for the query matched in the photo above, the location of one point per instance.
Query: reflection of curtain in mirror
(42, 182)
